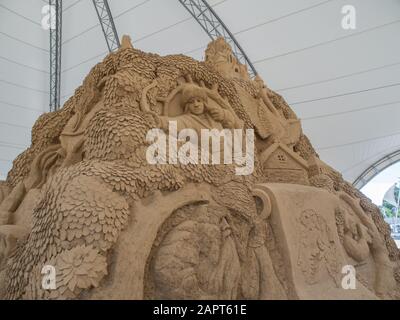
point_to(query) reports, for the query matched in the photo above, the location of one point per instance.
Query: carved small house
(280, 164)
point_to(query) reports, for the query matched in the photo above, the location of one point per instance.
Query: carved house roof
(266, 154)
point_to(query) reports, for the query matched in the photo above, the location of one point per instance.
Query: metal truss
(107, 24)
(214, 27)
(55, 54)
(376, 168)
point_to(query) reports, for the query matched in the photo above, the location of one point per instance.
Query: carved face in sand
(194, 100)
(195, 105)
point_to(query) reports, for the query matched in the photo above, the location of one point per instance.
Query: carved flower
(80, 268)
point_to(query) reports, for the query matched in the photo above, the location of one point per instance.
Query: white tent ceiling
(344, 84)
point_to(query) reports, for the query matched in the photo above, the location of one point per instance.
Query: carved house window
(281, 158)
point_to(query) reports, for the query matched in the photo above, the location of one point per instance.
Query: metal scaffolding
(107, 24)
(214, 27)
(55, 53)
(376, 168)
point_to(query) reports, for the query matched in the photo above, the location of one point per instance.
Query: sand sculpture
(84, 201)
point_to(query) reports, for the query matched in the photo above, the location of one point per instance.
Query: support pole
(107, 24)
(55, 53)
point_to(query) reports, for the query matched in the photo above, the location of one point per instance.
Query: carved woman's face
(195, 105)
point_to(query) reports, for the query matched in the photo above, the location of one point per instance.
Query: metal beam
(376, 168)
(107, 24)
(214, 27)
(55, 53)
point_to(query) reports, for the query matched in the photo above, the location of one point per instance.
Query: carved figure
(354, 236)
(317, 249)
(384, 276)
(197, 259)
